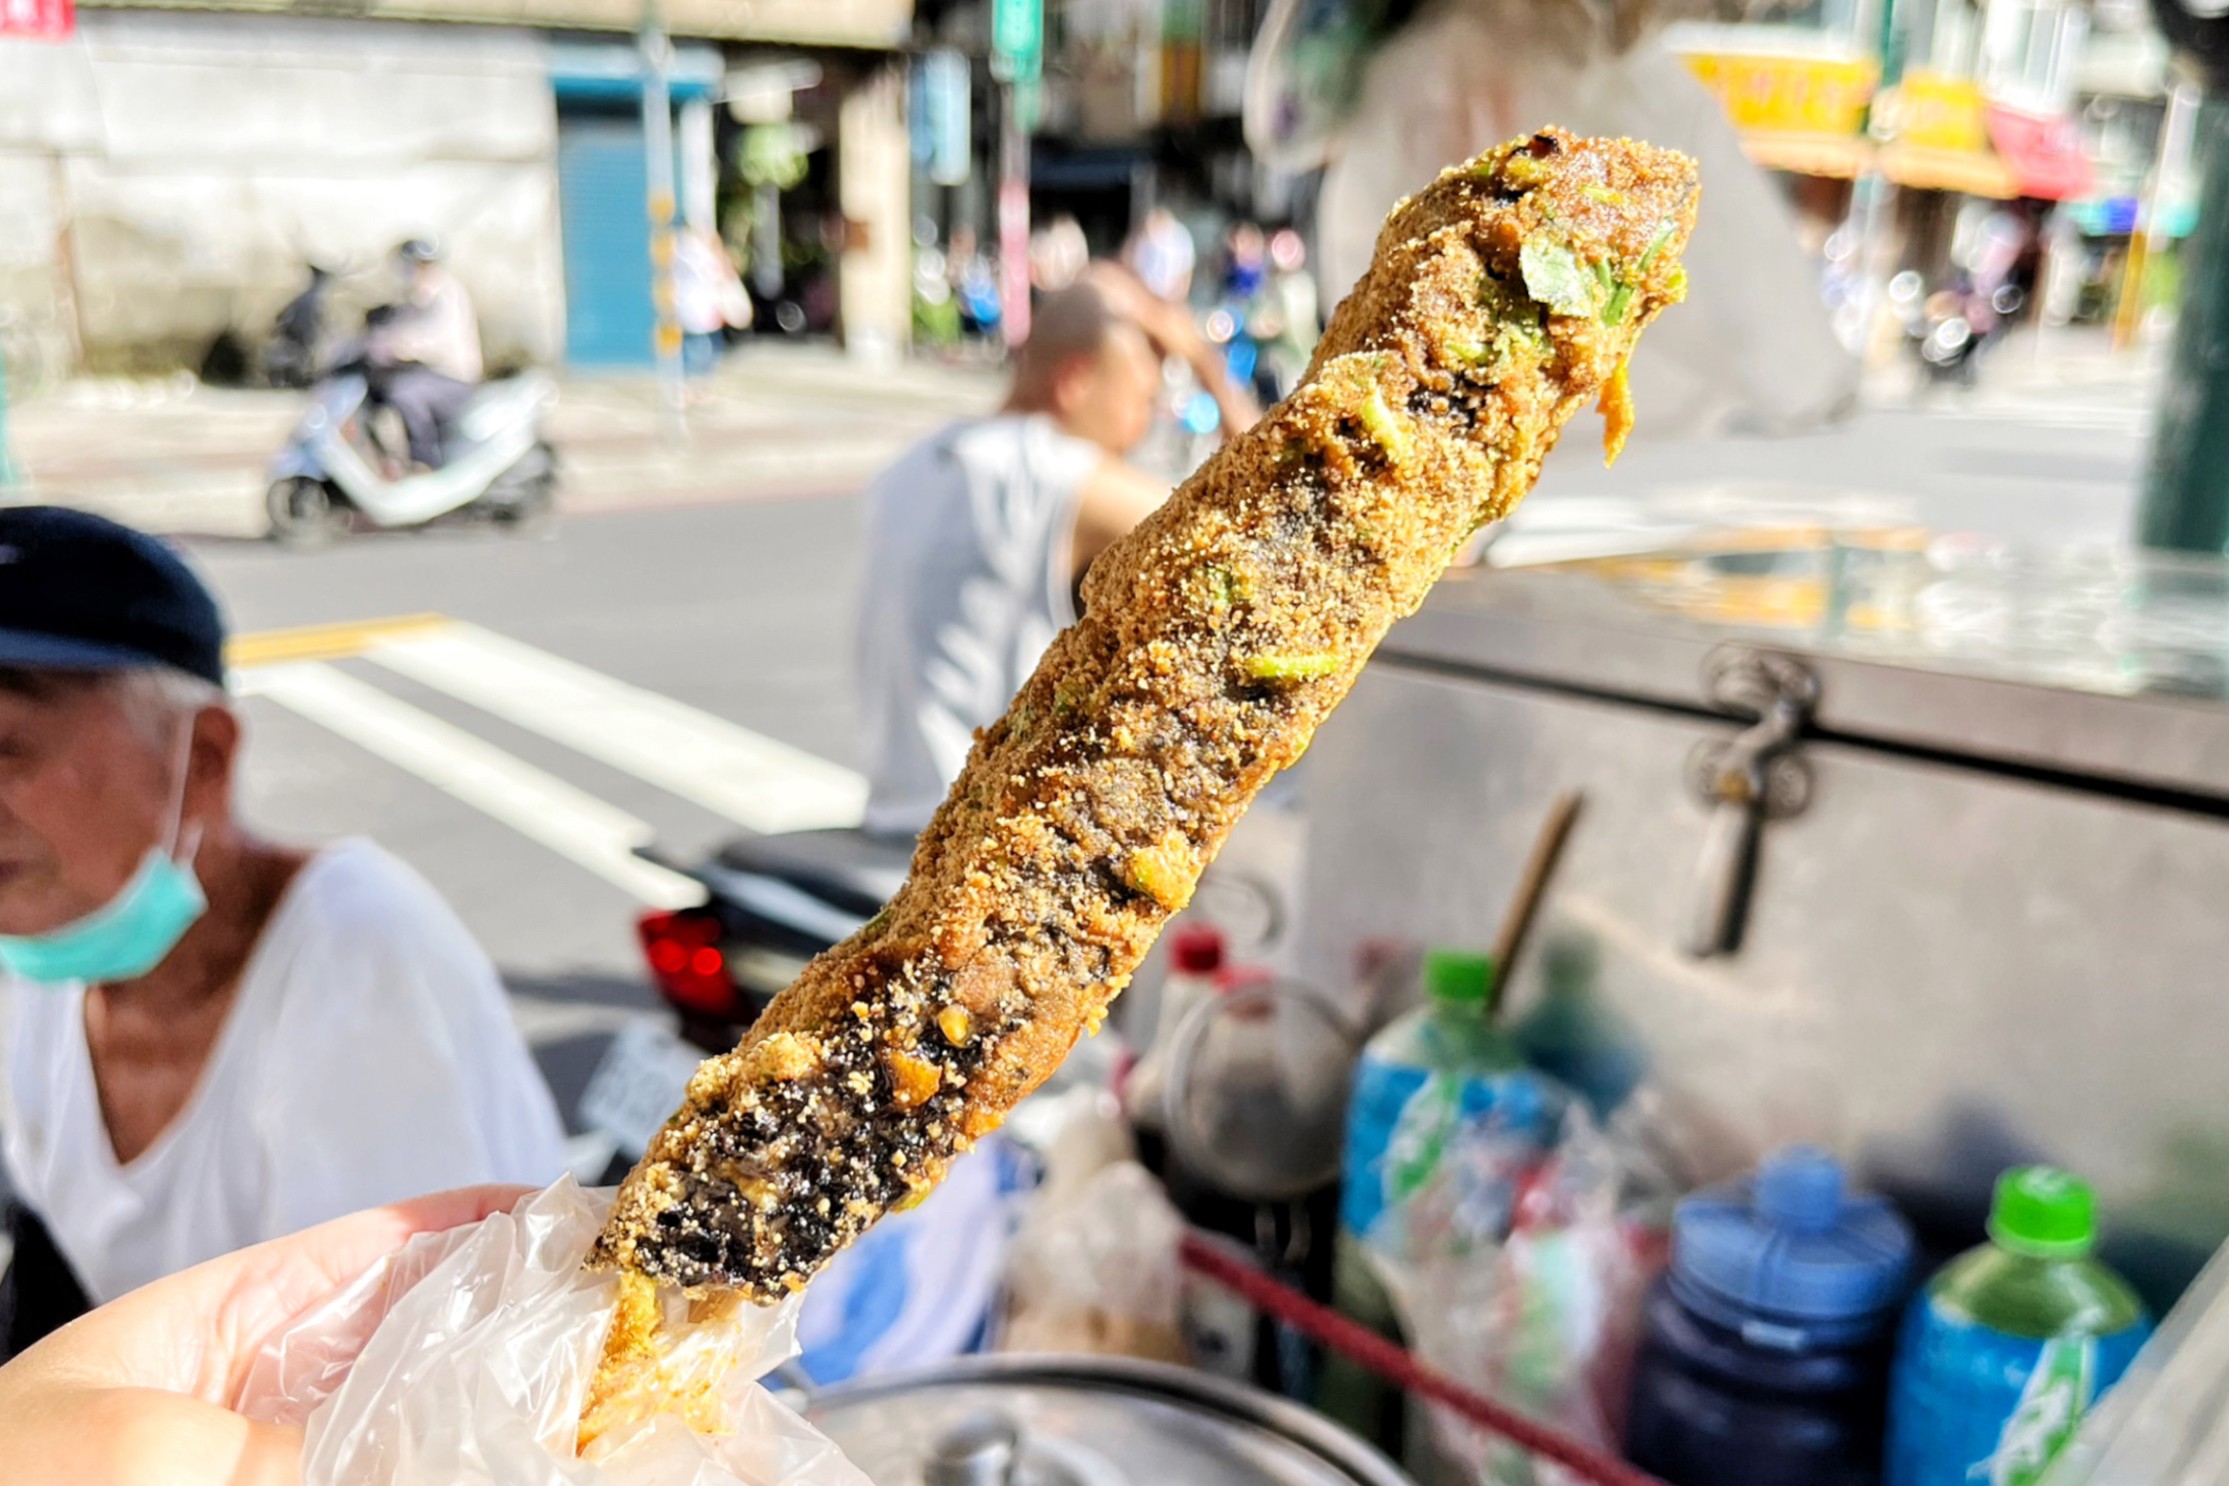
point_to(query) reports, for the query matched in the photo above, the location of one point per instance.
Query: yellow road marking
(322, 641)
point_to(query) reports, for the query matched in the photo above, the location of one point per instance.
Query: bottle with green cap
(1440, 1063)
(2012, 1343)
(1424, 1073)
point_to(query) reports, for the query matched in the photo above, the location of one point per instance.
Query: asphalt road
(2029, 460)
(510, 803)
(740, 611)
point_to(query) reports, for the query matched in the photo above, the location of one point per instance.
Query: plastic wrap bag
(1516, 1273)
(1095, 1269)
(1094, 1265)
(464, 1359)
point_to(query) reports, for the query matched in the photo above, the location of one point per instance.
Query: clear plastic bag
(464, 1359)
(1516, 1272)
(1095, 1264)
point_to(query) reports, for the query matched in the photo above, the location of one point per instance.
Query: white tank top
(967, 581)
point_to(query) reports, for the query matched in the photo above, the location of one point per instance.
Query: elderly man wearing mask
(210, 1040)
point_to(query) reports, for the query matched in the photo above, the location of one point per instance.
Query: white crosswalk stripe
(2100, 419)
(539, 806)
(755, 781)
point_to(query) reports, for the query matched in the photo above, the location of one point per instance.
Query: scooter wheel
(530, 513)
(303, 513)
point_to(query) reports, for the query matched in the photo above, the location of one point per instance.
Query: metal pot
(1086, 1421)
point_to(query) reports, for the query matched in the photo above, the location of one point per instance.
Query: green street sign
(1018, 35)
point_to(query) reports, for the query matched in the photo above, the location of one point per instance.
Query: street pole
(2173, 153)
(2185, 507)
(2186, 491)
(1017, 60)
(1013, 218)
(657, 134)
(1872, 193)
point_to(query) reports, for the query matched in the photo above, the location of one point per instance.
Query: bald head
(1088, 366)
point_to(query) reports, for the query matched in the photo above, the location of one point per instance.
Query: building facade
(167, 176)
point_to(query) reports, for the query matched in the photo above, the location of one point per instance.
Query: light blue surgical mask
(132, 932)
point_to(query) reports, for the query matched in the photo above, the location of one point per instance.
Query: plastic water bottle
(1764, 1360)
(1196, 956)
(2010, 1345)
(1421, 1074)
(1424, 1071)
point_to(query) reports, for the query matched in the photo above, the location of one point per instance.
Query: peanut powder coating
(1216, 637)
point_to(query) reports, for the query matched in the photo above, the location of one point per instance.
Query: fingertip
(437, 1211)
(270, 1455)
(346, 1245)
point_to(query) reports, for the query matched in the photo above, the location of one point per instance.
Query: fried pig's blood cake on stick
(1216, 637)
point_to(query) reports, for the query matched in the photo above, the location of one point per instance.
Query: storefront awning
(1971, 172)
(2042, 153)
(1799, 113)
(1843, 156)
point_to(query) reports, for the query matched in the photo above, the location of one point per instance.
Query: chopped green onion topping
(1378, 418)
(1301, 667)
(1224, 587)
(1657, 244)
(1555, 277)
(1521, 171)
(1603, 194)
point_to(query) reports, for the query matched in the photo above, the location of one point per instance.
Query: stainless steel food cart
(1919, 853)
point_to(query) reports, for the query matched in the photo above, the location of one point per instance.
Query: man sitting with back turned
(978, 535)
(210, 1040)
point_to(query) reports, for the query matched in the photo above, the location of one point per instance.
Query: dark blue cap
(78, 592)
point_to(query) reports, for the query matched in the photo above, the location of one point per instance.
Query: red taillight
(683, 949)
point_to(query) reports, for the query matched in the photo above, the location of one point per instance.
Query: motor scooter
(336, 472)
(290, 357)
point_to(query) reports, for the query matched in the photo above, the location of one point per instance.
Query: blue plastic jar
(1764, 1357)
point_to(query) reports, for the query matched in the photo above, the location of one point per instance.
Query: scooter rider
(425, 351)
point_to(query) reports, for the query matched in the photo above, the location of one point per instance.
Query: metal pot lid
(1086, 1421)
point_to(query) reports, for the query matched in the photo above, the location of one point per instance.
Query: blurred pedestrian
(1161, 254)
(1245, 261)
(974, 283)
(425, 351)
(1285, 318)
(211, 1039)
(1058, 254)
(708, 298)
(979, 535)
